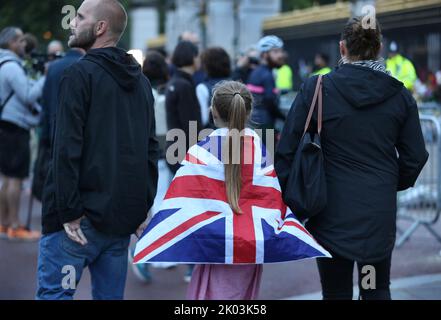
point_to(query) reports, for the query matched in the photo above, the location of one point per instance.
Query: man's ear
(101, 28)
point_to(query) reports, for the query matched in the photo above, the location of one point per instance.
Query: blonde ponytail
(233, 172)
(232, 101)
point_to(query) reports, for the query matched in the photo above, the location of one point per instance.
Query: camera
(39, 60)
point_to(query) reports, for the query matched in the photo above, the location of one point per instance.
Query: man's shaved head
(98, 21)
(114, 13)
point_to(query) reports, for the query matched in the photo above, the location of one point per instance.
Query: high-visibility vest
(322, 71)
(402, 69)
(284, 78)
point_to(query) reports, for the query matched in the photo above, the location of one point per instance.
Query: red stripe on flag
(271, 174)
(174, 233)
(243, 228)
(192, 159)
(197, 186)
(243, 224)
(295, 224)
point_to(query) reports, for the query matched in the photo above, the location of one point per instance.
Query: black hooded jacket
(104, 162)
(368, 116)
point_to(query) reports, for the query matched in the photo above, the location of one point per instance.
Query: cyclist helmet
(268, 43)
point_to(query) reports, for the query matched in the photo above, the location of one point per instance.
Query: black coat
(367, 117)
(105, 154)
(182, 106)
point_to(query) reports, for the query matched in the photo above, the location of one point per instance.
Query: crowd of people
(103, 149)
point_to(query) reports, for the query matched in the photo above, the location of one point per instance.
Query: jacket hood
(362, 86)
(8, 55)
(119, 64)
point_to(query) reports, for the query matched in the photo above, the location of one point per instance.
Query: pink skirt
(225, 282)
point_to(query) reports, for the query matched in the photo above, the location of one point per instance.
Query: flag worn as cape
(195, 224)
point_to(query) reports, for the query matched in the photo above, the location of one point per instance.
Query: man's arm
(68, 144)
(411, 148)
(26, 91)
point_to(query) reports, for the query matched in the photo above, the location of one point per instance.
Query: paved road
(419, 256)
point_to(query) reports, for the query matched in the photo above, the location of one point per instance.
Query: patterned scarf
(377, 65)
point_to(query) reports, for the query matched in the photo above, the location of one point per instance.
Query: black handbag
(306, 192)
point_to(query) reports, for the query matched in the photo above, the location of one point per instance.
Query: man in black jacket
(103, 175)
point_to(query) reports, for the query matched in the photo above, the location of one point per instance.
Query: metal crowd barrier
(422, 204)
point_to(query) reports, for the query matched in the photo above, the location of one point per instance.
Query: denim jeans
(61, 259)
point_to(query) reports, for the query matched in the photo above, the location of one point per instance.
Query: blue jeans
(61, 262)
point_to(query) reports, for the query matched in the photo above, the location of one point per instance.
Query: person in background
(373, 147)
(50, 92)
(31, 44)
(284, 76)
(245, 64)
(49, 103)
(400, 67)
(321, 62)
(19, 113)
(55, 48)
(199, 75)
(262, 85)
(217, 65)
(181, 102)
(189, 36)
(155, 68)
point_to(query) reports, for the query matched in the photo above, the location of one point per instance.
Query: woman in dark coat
(373, 147)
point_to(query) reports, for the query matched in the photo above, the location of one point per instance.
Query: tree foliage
(41, 18)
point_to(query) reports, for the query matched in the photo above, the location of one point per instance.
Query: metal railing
(422, 203)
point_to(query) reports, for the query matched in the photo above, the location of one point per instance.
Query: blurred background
(310, 30)
(307, 27)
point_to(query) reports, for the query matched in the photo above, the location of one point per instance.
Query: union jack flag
(195, 223)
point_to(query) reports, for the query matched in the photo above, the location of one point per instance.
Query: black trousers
(336, 276)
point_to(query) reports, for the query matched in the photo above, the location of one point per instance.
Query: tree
(41, 18)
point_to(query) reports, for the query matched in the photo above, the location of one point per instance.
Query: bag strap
(12, 91)
(5, 102)
(317, 94)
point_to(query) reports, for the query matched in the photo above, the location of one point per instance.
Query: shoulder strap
(6, 101)
(317, 94)
(12, 91)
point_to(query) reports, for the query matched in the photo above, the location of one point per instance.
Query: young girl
(231, 107)
(224, 211)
